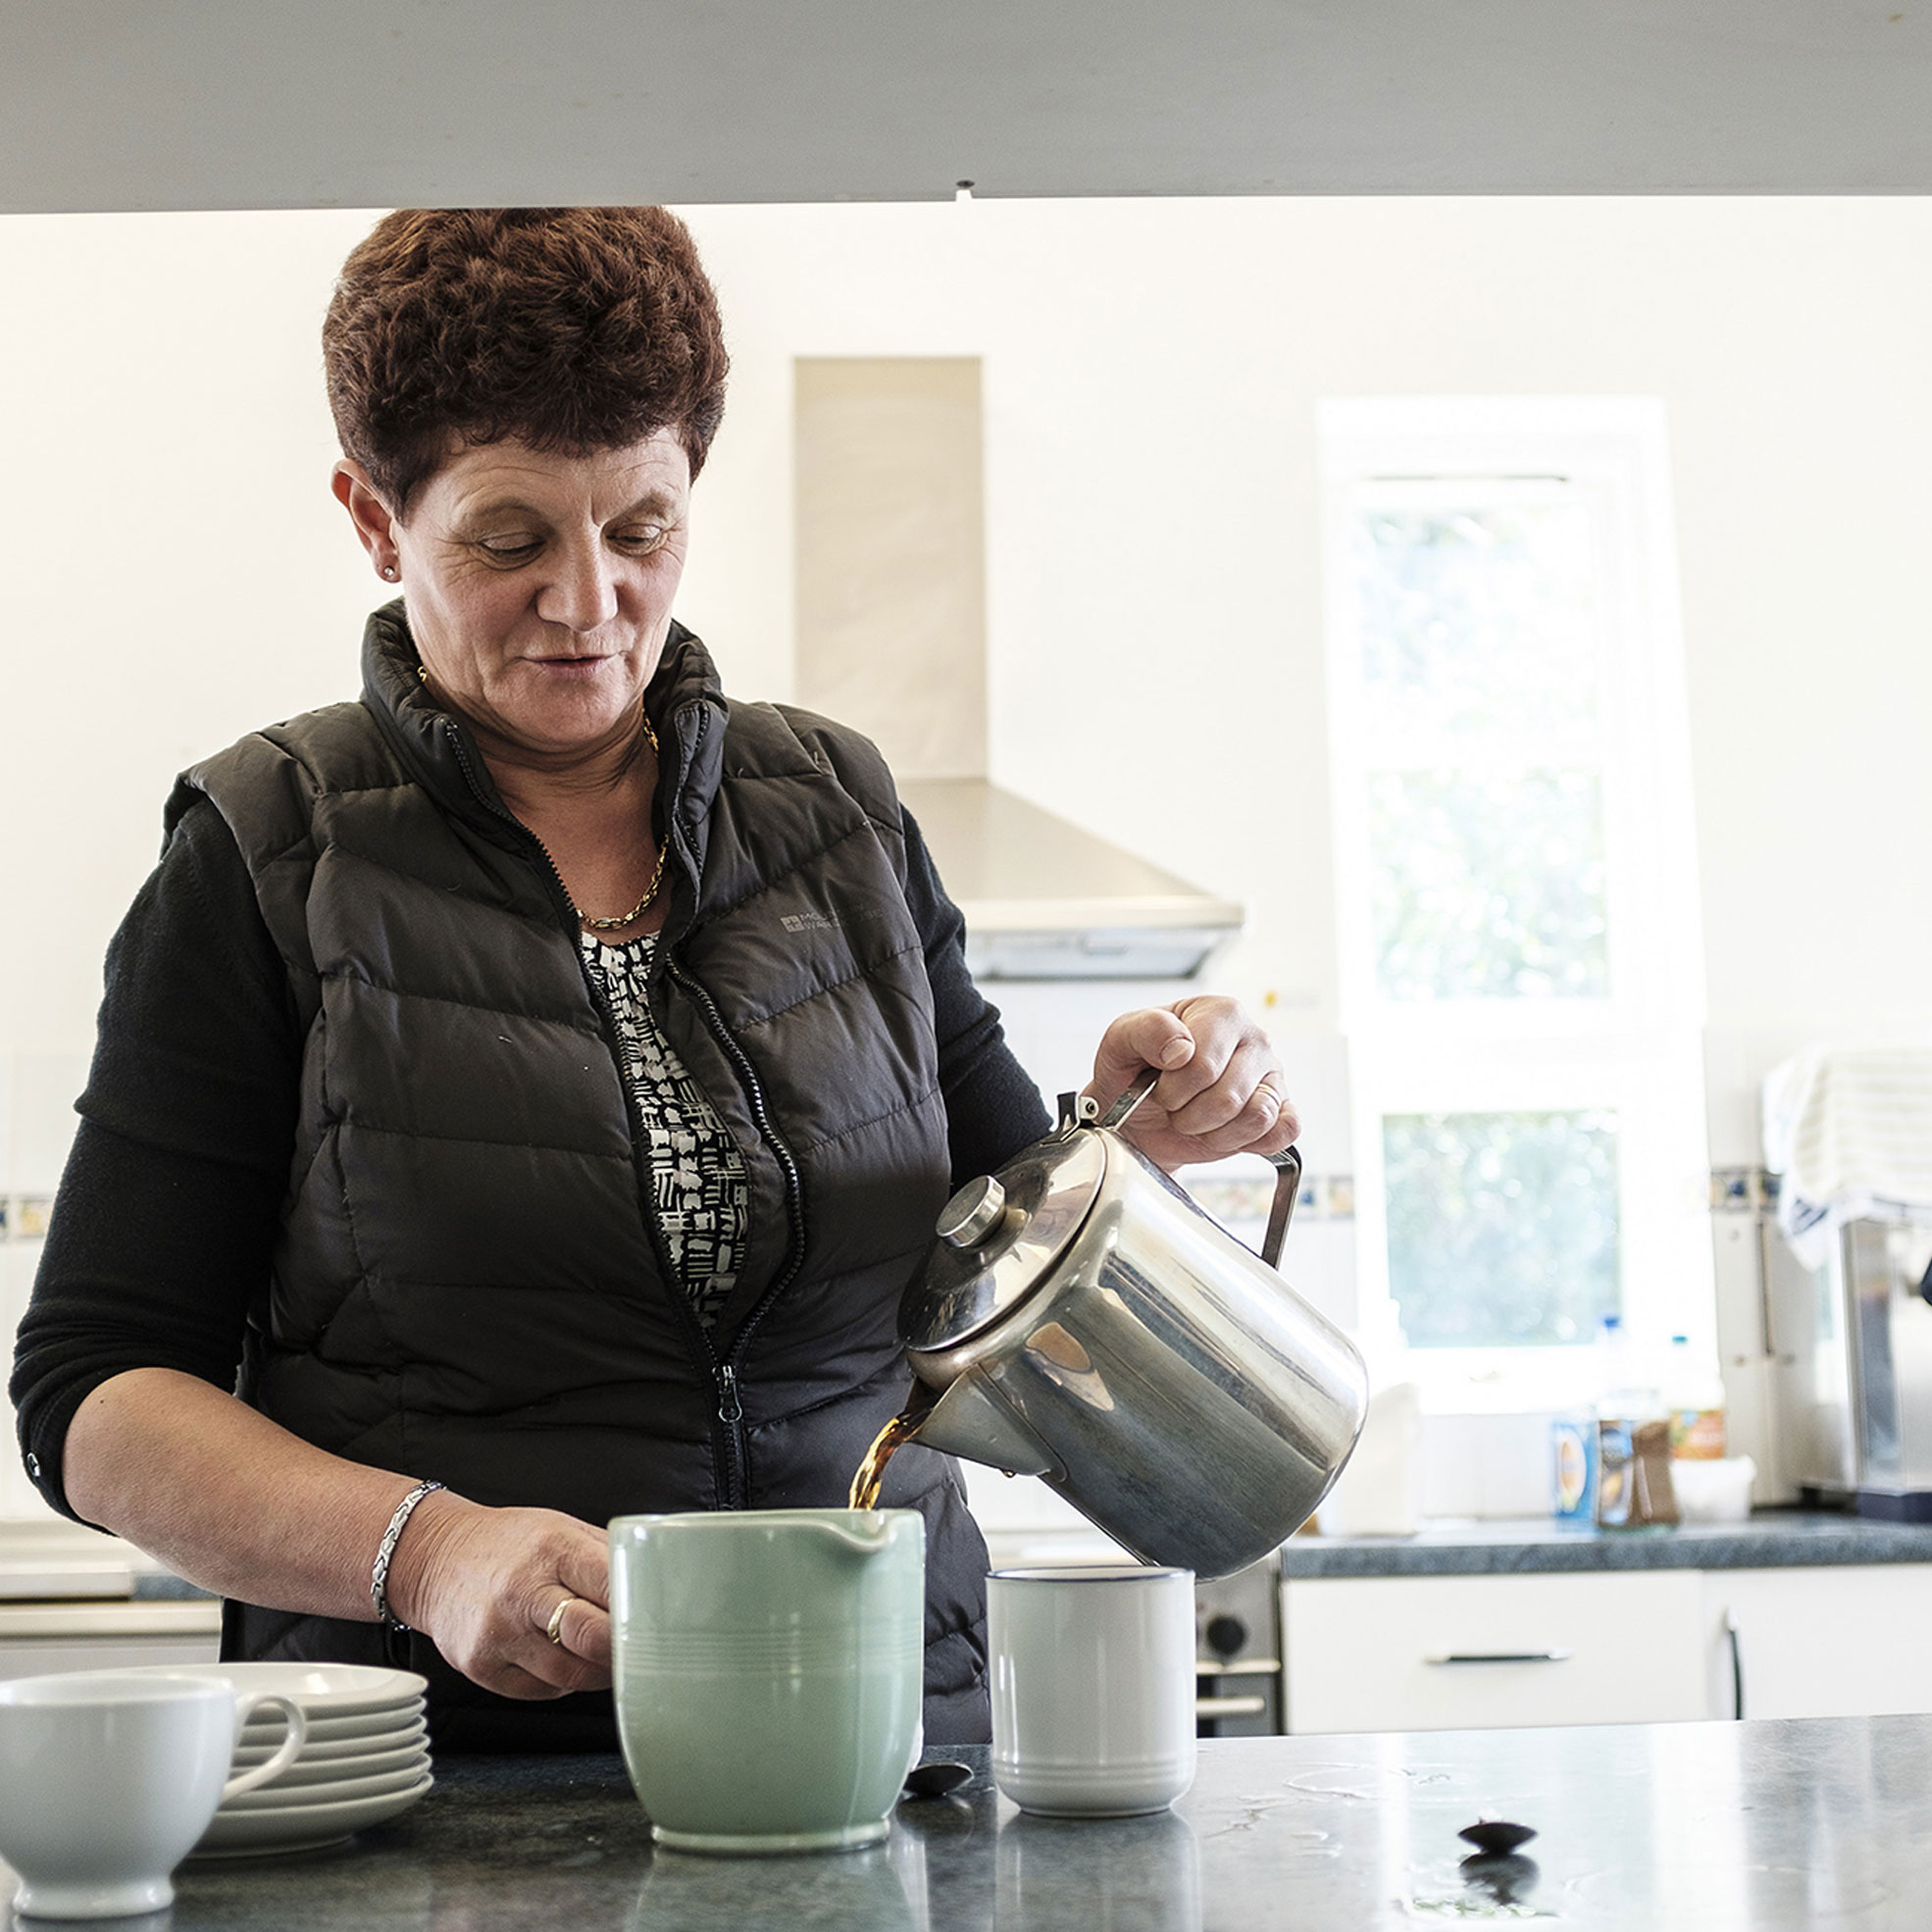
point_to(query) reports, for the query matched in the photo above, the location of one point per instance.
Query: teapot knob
(972, 1213)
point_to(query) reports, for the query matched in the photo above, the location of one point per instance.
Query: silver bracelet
(379, 1577)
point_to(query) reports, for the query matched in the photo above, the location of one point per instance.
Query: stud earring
(390, 572)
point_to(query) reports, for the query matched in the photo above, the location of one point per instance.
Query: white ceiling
(133, 104)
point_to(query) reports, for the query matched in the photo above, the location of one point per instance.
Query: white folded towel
(1849, 1129)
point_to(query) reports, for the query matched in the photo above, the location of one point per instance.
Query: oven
(1237, 1660)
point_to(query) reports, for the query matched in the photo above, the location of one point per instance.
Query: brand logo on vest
(807, 922)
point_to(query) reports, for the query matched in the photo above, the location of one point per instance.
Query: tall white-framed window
(1518, 916)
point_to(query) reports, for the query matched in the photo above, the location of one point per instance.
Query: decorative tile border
(1323, 1197)
(24, 1217)
(1743, 1190)
(1235, 1199)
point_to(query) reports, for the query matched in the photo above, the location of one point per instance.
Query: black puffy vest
(470, 1282)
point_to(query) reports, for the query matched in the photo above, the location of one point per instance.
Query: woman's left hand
(1221, 1090)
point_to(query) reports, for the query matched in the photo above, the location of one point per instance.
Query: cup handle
(292, 1746)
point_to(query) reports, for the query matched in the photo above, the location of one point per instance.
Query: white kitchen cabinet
(39, 1638)
(1832, 1642)
(1469, 1653)
(1625, 1647)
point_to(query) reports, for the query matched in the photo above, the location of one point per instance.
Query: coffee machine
(1878, 1269)
(1845, 1367)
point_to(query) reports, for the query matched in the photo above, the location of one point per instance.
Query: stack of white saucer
(366, 1759)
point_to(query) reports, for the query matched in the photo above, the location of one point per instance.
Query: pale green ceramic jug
(768, 1669)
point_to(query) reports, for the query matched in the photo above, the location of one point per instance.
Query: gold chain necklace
(642, 907)
(639, 910)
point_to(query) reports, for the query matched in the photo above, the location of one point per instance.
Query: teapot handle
(1079, 1110)
(1287, 1183)
(1287, 1164)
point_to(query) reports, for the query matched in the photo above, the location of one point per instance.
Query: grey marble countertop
(1639, 1828)
(159, 1586)
(1773, 1539)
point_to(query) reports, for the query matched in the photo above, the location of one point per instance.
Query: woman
(528, 1087)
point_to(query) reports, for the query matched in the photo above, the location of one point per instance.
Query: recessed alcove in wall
(890, 555)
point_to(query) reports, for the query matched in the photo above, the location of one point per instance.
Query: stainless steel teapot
(1082, 1320)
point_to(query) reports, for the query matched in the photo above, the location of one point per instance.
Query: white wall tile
(1002, 1503)
(1515, 1470)
(1451, 1465)
(1319, 1258)
(1485, 1466)
(19, 1499)
(45, 1087)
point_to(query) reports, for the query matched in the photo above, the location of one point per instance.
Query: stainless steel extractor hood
(1044, 900)
(891, 638)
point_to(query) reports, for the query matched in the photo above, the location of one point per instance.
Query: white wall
(1152, 371)
(179, 573)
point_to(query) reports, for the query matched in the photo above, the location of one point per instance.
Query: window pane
(1478, 621)
(1502, 1227)
(1488, 888)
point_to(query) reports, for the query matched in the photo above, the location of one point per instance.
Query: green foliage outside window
(1502, 1227)
(1473, 618)
(1489, 887)
(1479, 639)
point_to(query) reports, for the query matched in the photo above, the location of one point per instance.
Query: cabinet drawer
(1473, 1653)
(1820, 1642)
(36, 1657)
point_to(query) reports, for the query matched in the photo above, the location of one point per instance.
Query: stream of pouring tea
(886, 1444)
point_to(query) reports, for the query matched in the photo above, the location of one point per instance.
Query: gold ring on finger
(1265, 1090)
(554, 1629)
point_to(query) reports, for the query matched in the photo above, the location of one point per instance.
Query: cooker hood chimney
(1044, 900)
(891, 640)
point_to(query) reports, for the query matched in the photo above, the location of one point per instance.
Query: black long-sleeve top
(165, 1218)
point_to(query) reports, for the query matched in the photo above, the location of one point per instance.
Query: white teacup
(1092, 1689)
(108, 1778)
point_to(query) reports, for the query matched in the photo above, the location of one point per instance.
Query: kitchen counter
(1773, 1539)
(1705, 1826)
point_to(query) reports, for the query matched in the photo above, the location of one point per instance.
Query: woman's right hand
(483, 1584)
(235, 1503)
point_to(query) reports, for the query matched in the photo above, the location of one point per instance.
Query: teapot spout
(972, 1420)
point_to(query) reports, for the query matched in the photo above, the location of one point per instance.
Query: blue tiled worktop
(1773, 1539)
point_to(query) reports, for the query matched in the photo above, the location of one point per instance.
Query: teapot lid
(999, 1239)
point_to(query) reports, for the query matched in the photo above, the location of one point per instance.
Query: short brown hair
(567, 328)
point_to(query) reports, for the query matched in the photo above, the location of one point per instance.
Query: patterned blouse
(697, 1174)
